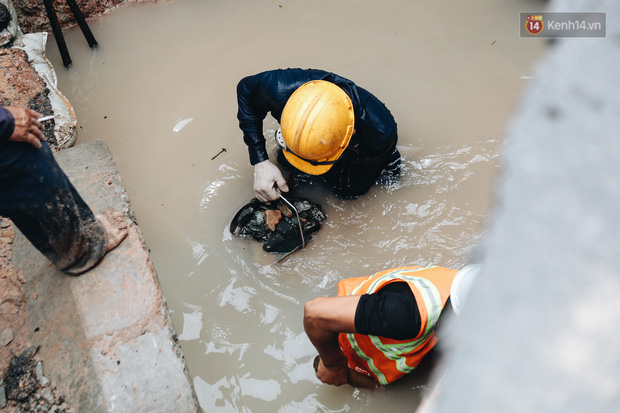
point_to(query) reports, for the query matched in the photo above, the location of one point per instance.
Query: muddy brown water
(160, 90)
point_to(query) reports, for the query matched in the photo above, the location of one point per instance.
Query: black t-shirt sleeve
(391, 312)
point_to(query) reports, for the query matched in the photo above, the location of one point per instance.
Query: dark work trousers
(38, 197)
(349, 179)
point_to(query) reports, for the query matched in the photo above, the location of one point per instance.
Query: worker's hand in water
(336, 375)
(266, 177)
(27, 127)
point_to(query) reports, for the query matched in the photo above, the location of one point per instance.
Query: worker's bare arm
(324, 319)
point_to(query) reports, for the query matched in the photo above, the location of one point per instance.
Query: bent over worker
(381, 327)
(41, 201)
(329, 127)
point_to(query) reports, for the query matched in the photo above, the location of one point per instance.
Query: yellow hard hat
(317, 125)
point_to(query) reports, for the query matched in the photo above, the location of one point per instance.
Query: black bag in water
(275, 225)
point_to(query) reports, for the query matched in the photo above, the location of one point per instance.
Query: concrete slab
(540, 330)
(105, 337)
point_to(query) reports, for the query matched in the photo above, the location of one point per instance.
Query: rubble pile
(26, 389)
(276, 225)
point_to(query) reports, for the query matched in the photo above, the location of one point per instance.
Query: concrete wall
(540, 332)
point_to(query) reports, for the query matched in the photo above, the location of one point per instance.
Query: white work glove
(266, 177)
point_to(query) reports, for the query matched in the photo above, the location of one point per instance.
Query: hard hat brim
(307, 167)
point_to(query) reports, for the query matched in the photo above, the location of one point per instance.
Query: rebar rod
(60, 39)
(81, 21)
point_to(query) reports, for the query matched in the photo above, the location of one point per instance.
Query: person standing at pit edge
(41, 201)
(381, 327)
(329, 127)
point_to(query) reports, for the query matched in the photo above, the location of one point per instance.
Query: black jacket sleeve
(7, 125)
(268, 92)
(262, 93)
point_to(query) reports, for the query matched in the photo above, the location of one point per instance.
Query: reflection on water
(192, 324)
(160, 89)
(181, 124)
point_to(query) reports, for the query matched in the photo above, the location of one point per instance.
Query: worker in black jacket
(329, 127)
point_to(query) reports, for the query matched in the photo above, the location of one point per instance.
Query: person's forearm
(251, 111)
(324, 319)
(256, 149)
(326, 343)
(253, 137)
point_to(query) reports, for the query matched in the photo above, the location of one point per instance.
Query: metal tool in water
(279, 233)
(301, 231)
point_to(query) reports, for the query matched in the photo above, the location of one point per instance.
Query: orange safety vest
(385, 359)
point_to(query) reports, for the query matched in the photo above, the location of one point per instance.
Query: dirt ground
(12, 301)
(20, 85)
(33, 18)
(21, 371)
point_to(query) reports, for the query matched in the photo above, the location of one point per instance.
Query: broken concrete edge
(155, 327)
(106, 338)
(143, 333)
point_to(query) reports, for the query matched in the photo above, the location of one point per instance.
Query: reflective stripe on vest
(397, 351)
